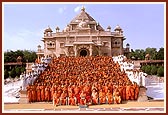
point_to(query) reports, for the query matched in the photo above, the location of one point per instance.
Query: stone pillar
(142, 97)
(91, 49)
(75, 50)
(23, 97)
(99, 51)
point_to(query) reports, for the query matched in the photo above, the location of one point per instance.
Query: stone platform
(23, 97)
(142, 94)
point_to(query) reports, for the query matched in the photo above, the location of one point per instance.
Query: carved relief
(83, 47)
(71, 50)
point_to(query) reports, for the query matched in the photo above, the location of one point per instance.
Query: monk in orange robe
(136, 91)
(34, 93)
(29, 93)
(109, 96)
(42, 92)
(117, 97)
(38, 93)
(83, 98)
(102, 96)
(71, 99)
(47, 94)
(95, 96)
(63, 98)
(128, 92)
(132, 92)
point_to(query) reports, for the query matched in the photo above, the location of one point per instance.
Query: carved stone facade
(83, 36)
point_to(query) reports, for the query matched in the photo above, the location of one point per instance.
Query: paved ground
(131, 106)
(155, 87)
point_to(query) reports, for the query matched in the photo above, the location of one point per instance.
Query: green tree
(143, 68)
(138, 54)
(18, 71)
(154, 70)
(29, 56)
(160, 71)
(160, 54)
(13, 73)
(152, 52)
(6, 74)
(23, 69)
(148, 69)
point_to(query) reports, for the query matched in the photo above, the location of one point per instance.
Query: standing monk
(47, 94)
(124, 93)
(132, 92)
(117, 97)
(95, 97)
(34, 93)
(63, 98)
(109, 97)
(42, 87)
(71, 98)
(52, 90)
(83, 98)
(128, 92)
(102, 96)
(29, 93)
(136, 91)
(38, 93)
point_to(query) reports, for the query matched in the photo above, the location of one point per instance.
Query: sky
(24, 23)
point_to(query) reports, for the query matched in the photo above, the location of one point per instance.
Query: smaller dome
(118, 28)
(109, 27)
(127, 44)
(48, 30)
(57, 28)
(39, 46)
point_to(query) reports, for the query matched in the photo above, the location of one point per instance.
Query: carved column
(75, 50)
(90, 49)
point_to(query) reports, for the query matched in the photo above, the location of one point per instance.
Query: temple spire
(83, 8)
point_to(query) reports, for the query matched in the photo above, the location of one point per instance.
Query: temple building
(83, 36)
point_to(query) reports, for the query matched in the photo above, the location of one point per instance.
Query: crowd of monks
(88, 80)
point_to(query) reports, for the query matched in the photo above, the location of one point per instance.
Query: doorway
(83, 52)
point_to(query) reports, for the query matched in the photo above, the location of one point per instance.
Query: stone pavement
(71, 110)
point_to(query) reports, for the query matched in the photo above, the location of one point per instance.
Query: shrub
(154, 70)
(143, 68)
(160, 71)
(6, 74)
(148, 69)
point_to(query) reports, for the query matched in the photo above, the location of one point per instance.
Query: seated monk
(55, 99)
(63, 98)
(71, 98)
(117, 97)
(82, 98)
(109, 96)
(102, 96)
(95, 97)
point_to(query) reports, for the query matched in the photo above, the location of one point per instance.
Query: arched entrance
(83, 52)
